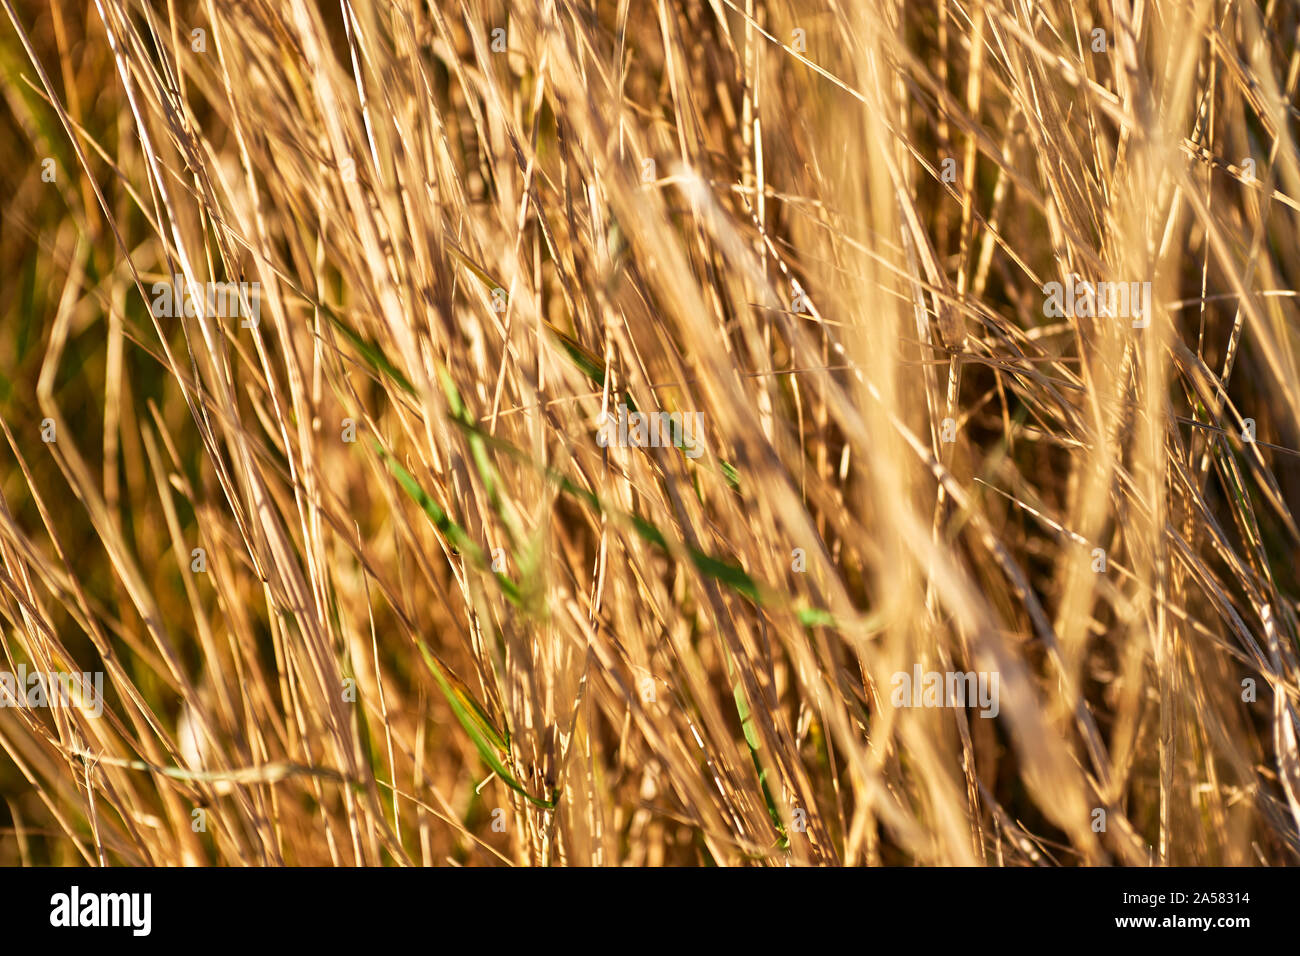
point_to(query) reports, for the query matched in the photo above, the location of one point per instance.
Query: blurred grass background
(606, 652)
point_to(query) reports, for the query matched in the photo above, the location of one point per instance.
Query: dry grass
(606, 651)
